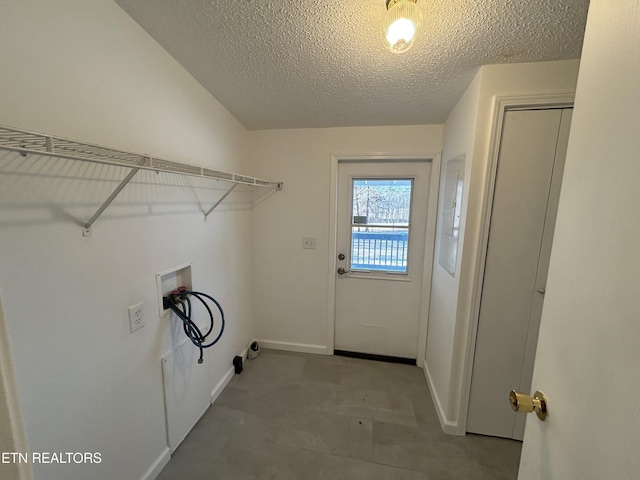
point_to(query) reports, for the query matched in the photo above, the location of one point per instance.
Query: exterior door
(382, 208)
(529, 173)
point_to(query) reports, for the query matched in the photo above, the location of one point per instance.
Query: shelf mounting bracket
(220, 200)
(86, 231)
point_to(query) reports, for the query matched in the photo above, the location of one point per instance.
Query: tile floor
(312, 417)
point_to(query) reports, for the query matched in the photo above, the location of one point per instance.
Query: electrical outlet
(309, 242)
(136, 318)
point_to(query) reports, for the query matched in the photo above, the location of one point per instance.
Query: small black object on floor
(237, 363)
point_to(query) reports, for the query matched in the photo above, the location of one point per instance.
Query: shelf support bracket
(220, 201)
(86, 232)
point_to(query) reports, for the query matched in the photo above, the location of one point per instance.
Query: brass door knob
(521, 402)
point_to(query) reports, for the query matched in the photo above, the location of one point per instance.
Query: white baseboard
(217, 390)
(158, 465)
(449, 427)
(293, 347)
(244, 354)
(224, 381)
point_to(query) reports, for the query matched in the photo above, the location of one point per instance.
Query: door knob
(342, 271)
(521, 402)
(541, 290)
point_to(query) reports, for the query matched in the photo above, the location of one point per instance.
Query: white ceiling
(321, 63)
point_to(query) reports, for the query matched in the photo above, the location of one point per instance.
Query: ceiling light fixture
(401, 23)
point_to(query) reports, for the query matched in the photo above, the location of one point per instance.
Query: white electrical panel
(451, 211)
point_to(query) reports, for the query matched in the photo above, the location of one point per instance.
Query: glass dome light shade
(401, 23)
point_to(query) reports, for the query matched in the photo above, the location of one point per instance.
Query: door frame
(10, 407)
(430, 237)
(501, 104)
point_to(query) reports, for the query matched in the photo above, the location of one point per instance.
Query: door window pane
(380, 222)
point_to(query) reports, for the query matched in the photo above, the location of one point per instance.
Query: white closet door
(529, 173)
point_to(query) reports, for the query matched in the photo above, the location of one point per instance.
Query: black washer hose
(180, 304)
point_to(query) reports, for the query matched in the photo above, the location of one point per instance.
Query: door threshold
(377, 358)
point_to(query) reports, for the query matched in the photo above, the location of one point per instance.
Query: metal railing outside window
(385, 251)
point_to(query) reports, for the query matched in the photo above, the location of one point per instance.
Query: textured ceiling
(321, 63)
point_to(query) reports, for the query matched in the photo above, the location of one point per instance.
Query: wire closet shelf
(26, 142)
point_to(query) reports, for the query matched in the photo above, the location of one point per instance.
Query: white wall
(459, 136)
(590, 334)
(291, 285)
(86, 71)
(451, 323)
